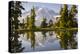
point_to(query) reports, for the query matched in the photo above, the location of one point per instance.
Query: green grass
(47, 29)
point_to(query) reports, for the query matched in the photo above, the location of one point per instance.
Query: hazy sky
(52, 6)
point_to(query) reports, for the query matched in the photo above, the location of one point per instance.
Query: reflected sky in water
(44, 41)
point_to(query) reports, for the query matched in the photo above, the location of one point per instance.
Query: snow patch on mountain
(40, 14)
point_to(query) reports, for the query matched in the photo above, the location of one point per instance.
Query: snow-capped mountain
(43, 12)
(40, 13)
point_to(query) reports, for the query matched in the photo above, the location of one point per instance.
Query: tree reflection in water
(44, 35)
(50, 33)
(67, 39)
(31, 36)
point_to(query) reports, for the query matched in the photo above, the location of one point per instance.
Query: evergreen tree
(32, 19)
(71, 17)
(44, 24)
(64, 16)
(50, 23)
(14, 12)
(61, 10)
(27, 21)
(67, 17)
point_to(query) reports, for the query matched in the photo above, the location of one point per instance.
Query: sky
(52, 6)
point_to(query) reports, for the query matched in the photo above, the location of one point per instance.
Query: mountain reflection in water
(49, 40)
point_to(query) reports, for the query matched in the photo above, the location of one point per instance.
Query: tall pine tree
(14, 12)
(64, 16)
(31, 19)
(71, 16)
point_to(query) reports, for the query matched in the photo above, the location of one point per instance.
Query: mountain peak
(40, 13)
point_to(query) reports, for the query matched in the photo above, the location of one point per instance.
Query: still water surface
(48, 40)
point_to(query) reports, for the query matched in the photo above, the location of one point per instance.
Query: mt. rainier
(40, 13)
